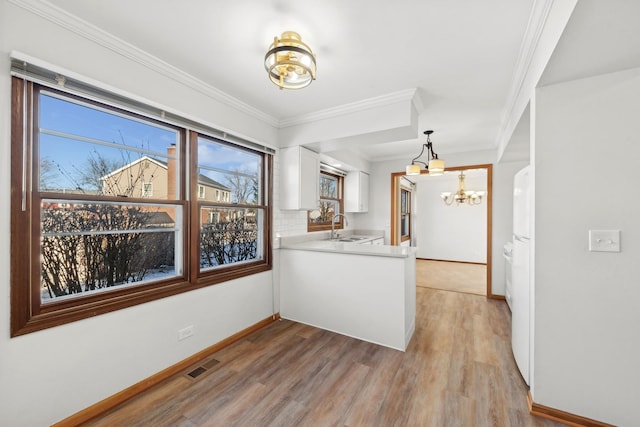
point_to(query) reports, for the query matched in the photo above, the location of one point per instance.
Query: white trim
(354, 107)
(544, 29)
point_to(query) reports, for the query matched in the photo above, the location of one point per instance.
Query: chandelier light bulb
(462, 195)
(434, 167)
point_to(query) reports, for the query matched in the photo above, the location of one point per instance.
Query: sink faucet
(333, 223)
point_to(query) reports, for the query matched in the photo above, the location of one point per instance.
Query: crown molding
(90, 32)
(418, 102)
(537, 19)
(539, 13)
(354, 107)
(546, 22)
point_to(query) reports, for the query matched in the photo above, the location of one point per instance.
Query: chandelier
(290, 62)
(462, 196)
(434, 167)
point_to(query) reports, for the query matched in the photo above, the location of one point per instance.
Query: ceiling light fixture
(290, 62)
(435, 165)
(462, 196)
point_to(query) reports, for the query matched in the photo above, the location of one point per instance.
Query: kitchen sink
(351, 239)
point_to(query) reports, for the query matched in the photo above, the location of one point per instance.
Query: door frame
(395, 206)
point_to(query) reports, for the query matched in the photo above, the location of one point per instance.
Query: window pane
(234, 171)
(404, 201)
(230, 235)
(328, 187)
(328, 209)
(91, 247)
(404, 225)
(88, 150)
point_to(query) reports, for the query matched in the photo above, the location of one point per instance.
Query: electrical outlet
(185, 332)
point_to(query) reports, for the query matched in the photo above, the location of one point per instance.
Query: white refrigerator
(521, 296)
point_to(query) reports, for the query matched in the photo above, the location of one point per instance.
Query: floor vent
(196, 372)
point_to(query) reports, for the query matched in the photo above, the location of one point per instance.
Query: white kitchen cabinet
(299, 178)
(356, 192)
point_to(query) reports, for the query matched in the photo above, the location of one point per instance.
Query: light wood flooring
(452, 276)
(457, 371)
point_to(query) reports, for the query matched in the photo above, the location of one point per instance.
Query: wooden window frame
(340, 199)
(28, 314)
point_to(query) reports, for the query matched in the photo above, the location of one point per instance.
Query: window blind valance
(31, 69)
(332, 169)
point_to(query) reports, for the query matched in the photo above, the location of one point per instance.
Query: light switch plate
(604, 240)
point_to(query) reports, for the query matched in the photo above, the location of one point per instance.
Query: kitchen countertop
(351, 248)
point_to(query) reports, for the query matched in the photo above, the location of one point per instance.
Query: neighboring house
(151, 178)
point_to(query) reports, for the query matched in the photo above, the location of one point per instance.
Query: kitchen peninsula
(365, 291)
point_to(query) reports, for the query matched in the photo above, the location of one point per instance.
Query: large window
(108, 211)
(331, 189)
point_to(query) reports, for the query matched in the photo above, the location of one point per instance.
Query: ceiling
(460, 56)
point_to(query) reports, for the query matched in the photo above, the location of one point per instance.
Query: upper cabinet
(356, 192)
(299, 178)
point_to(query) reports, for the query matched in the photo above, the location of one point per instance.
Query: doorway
(398, 181)
(462, 277)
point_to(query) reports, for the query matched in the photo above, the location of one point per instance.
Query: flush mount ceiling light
(435, 165)
(290, 62)
(462, 196)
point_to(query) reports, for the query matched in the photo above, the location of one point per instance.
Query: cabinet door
(356, 192)
(309, 179)
(364, 192)
(299, 178)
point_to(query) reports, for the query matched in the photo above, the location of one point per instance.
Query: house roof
(158, 218)
(205, 180)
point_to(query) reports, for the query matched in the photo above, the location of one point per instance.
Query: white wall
(450, 232)
(49, 375)
(587, 304)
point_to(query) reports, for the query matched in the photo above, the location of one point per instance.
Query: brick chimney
(171, 172)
